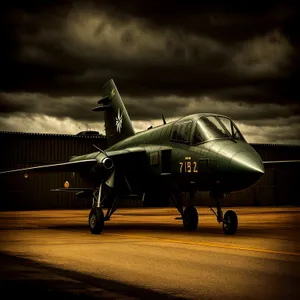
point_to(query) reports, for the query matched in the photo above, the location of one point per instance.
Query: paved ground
(145, 254)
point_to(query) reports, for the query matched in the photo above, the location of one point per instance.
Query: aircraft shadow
(37, 287)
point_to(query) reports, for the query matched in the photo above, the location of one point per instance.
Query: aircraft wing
(121, 155)
(73, 166)
(130, 160)
(134, 158)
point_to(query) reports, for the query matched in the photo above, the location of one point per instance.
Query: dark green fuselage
(226, 163)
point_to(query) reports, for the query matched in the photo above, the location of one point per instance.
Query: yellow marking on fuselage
(216, 245)
(188, 166)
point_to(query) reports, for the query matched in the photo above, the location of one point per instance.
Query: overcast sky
(171, 57)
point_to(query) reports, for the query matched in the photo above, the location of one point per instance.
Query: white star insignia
(119, 120)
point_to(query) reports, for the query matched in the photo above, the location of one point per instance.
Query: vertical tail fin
(118, 125)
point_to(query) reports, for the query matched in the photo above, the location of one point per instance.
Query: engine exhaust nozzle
(107, 163)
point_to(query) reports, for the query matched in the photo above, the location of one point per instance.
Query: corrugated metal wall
(20, 150)
(279, 186)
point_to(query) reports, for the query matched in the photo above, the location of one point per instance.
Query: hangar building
(19, 150)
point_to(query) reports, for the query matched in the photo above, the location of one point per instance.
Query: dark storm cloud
(171, 57)
(174, 106)
(80, 108)
(77, 108)
(150, 48)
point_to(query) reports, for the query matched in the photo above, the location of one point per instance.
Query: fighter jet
(199, 152)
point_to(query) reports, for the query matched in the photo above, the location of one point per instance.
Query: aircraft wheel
(190, 218)
(96, 220)
(230, 222)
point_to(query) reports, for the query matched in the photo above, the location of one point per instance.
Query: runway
(146, 254)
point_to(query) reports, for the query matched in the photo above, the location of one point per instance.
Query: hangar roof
(77, 136)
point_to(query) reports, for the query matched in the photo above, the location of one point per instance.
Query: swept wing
(73, 166)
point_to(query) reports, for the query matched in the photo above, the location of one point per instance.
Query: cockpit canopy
(206, 128)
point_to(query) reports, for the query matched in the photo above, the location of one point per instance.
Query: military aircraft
(199, 152)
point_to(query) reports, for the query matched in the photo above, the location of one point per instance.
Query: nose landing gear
(230, 219)
(230, 222)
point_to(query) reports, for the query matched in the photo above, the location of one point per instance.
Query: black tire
(190, 218)
(96, 220)
(230, 222)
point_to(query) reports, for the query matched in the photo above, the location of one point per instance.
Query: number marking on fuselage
(188, 166)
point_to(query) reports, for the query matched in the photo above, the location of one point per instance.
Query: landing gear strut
(111, 208)
(189, 215)
(230, 219)
(96, 216)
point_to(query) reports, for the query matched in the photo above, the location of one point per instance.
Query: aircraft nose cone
(247, 168)
(247, 162)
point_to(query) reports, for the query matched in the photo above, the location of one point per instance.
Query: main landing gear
(189, 215)
(96, 220)
(190, 218)
(230, 219)
(96, 216)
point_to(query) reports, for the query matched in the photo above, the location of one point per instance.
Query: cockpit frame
(179, 132)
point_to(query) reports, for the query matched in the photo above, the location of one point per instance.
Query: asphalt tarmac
(146, 254)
